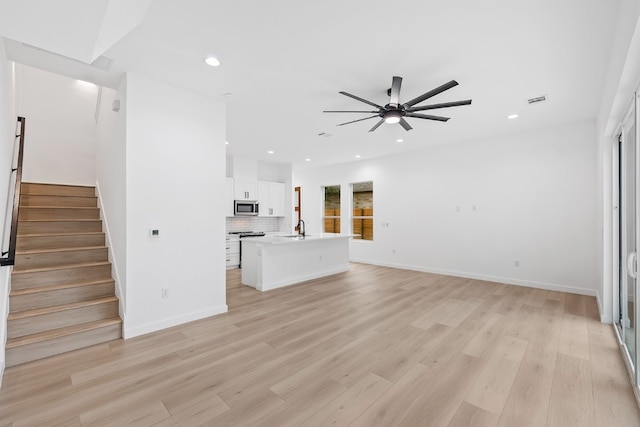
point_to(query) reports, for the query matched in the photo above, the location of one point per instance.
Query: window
(331, 218)
(362, 207)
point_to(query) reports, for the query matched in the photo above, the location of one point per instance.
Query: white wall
(534, 196)
(7, 138)
(111, 180)
(60, 143)
(175, 177)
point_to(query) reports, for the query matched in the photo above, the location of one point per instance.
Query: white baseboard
(487, 278)
(293, 281)
(174, 321)
(2, 366)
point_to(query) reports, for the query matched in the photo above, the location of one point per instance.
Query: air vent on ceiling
(537, 99)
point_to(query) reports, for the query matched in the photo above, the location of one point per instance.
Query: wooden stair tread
(57, 287)
(22, 193)
(59, 267)
(59, 207)
(57, 185)
(60, 219)
(70, 249)
(77, 233)
(63, 307)
(61, 332)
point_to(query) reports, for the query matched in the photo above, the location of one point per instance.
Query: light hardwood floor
(372, 347)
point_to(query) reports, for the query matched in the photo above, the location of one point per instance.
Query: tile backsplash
(253, 223)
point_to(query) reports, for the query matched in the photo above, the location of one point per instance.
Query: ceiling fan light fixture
(392, 117)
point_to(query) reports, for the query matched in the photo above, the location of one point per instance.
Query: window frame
(360, 217)
(324, 209)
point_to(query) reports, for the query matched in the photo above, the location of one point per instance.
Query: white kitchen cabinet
(270, 198)
(232, 252)
(229, 200)
(245, 190)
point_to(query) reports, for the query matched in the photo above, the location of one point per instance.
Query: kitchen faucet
(301, 228)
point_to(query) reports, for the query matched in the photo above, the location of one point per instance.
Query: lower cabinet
(233, 252)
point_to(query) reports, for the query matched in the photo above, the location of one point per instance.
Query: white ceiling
(283, 62)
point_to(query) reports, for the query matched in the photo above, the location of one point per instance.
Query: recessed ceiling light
(399, 140)
(512, 116)
(307, 160)
(270, 152)
(226, 143)
(357, 156)
(212, 60)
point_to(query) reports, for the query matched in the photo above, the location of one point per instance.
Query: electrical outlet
(393, 251)
(516, 263)
(165, 293)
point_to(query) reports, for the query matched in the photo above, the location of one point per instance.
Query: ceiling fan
(394, 112)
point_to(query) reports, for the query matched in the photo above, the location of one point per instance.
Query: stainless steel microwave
(245, 207)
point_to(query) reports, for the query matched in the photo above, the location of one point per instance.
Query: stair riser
(52, 259)
(47, 322)
(44, 227)
(58, 190)
(60, 296)
(66, 275)
(26, 243)
(29, 213)
(27, 353)
(67, 201)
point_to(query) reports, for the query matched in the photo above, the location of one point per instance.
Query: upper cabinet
(245, 178)
(245, 190)
(271, 198)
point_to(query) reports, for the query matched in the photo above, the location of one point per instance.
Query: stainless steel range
(245, 234)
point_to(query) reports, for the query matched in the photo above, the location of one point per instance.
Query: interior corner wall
(60, 138)
(110, 183)
(7, 139)
(175, 168)
(474, 209)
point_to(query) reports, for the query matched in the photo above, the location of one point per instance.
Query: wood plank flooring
(371, 347)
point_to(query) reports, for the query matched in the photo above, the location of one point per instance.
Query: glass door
(627, 307)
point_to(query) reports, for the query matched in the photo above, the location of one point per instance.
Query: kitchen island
(272, 262)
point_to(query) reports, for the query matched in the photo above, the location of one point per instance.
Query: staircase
(62, 293)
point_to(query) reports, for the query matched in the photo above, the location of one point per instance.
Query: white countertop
(285, 239)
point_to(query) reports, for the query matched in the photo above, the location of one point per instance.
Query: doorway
(626, 168)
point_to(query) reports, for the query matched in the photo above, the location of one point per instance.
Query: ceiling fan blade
(443, 105)
(377, 125)
(360, 99)
(336, 111)
(395, 91)
(431, 93)
(405, 125)
(359, 120)
(426, 116)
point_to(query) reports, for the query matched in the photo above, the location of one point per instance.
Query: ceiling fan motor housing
(394, 112)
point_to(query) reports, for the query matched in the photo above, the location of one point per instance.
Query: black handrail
(9, 257)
